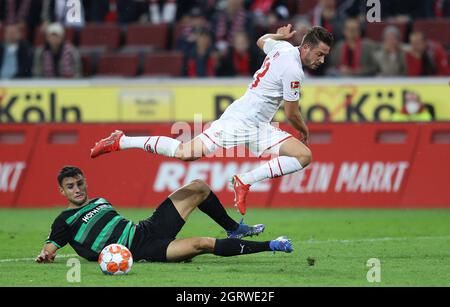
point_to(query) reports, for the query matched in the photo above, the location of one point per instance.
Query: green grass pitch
(413, 247)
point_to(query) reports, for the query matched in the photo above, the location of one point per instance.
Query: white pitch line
(32, 259)
(312, 241)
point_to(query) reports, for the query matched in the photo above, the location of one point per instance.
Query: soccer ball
(115, 259)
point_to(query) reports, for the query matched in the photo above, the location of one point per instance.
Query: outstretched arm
(294, 116)
(283, 33)
(47, 254)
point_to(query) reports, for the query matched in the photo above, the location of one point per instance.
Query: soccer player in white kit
(247, 120)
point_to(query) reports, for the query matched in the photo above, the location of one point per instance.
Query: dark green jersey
(90, 228)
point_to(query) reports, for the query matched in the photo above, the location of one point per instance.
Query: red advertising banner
(366, 165)
(17, 143)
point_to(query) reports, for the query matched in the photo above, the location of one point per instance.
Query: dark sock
(234, 247)
(214, 209)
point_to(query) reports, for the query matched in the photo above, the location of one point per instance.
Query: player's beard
(314, 65)
(311, 64)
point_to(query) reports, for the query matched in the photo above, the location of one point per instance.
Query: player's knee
(185, 153)
(187, 157)
(182, 153)
(305, 157)
(201, 187)
(204, 244)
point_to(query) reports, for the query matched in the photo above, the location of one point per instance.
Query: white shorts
(257, 138)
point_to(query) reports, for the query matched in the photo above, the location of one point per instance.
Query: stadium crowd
(216, 37)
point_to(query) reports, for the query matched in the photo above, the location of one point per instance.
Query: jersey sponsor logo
(93, 212)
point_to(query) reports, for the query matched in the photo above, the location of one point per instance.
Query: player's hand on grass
(45, 257)
(285, 32)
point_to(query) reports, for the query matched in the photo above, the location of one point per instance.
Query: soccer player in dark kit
(89, 225)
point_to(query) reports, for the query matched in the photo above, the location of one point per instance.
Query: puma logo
(242, 248)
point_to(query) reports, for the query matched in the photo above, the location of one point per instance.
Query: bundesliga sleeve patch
(295, 88)
(295, 85)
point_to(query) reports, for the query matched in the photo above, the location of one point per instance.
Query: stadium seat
(374, 30)
(87, 65)
(39, 36)
(100, 37)
(163, 64)
(121, 65)
(147, 36)
(435, 29)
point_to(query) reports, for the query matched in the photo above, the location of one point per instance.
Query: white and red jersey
(279, 78)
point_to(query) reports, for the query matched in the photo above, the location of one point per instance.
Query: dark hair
(317, 34)
(68, 171)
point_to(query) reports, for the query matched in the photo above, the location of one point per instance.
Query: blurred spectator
(129, 11)
(354, 56)
(425, 58)
(22, 12)
(117, 11)
(326, 14)
(200, 60)
(439, 8)
(354, 8)
(413, 110)
(391, 57)
(192, 24)
(100, 10)
(233, 18)
(162, 11)
(15, 54)
(57, 58)
(184, 8)
(242, 59)
(268, 12)
(114, 11)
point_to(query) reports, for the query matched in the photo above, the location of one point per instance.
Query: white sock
(274, 168)
(160, 145)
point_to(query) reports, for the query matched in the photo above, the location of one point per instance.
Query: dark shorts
(153, 235)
